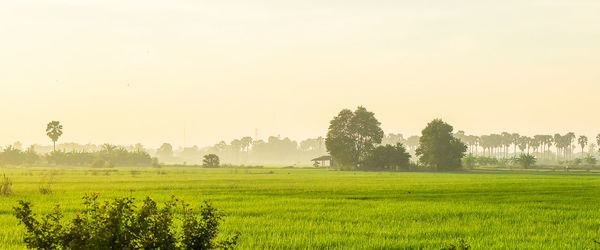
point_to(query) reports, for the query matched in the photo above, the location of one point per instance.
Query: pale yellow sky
(145, 71)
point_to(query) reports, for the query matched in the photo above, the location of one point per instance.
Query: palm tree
(558, 142)
(515, 141)
(570, 137)
(506, 142)
(583, 140)
(54, 131)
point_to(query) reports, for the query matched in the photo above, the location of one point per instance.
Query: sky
(197, 72)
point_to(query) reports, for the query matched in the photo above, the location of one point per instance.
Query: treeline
(107, 156)
(246, 150)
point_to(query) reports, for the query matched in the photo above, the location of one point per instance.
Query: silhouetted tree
(54, 131)
(438, 148)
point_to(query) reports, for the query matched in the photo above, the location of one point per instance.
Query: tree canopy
(352, 135)
(438, 148)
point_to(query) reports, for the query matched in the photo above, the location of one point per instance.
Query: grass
(303, 208)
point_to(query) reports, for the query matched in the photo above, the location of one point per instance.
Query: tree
(438, 148)
(413, 142)
(165, 151)
(590, 160)
(583, 140)
(54, 131)
(352, 135)
(387, 157)
(211, 161)
(598, 139)
(525, 160)
(469, 161)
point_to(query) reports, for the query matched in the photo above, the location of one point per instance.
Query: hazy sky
(145, 71)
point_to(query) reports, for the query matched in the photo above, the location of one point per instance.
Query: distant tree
(438, 148)
(569, 138)
(18, 145)
(590, 160)
(514, 137)
(392, 139)
(211, 161)
(506, 142)
(165, 151)
(583, 140)
(525, 160)
(352, 135)
(246, 142)
(523, 142)
(598, 139)
(139, 147)
(413, 142)
(54, 131)
(469, 161)
(387, 157)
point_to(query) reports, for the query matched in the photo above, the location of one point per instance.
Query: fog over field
(198, 72)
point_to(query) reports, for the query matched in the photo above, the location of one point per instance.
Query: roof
(322, 158)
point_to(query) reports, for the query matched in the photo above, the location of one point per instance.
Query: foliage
(387, 158)
(54, 131)
(165, 151)
(439, 149)
(352, 135)
(211, 161)
(118, 224)
(5, 185)
(590, 160)
(469, 161)
(526, 161)
(461, 244)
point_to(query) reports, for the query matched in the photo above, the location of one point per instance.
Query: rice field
(321, 209)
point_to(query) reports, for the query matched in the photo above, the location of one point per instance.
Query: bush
(526, 161)
(118, 224)
(5, 185)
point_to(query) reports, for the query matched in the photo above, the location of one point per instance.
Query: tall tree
(352, 135)
(569, 138)
(438, 148)
(54, 131)
(583, 140)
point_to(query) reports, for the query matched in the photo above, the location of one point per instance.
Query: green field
(304, 208)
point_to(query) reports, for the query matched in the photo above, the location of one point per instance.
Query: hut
(321, 160)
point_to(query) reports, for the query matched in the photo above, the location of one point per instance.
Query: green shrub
(118, 224)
